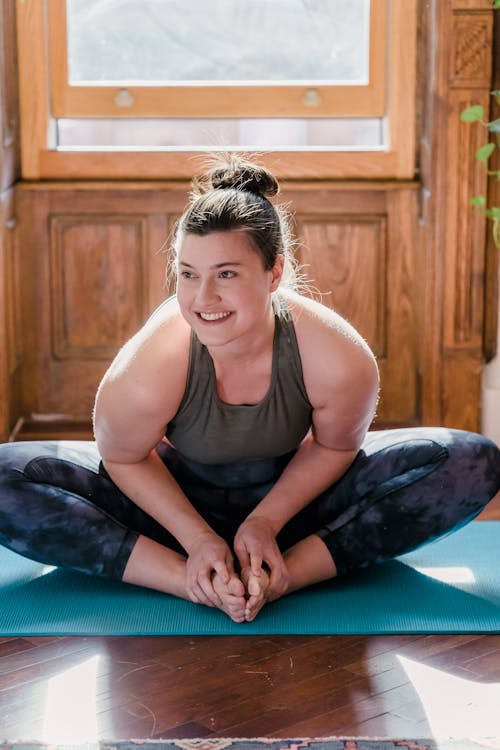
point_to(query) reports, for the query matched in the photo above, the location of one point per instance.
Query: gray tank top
(210, 431)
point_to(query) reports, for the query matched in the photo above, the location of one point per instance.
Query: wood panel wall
(94, 268)
(10, 334)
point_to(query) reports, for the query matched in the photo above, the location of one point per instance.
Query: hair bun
(231, 171)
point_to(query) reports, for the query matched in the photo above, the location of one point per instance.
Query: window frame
(38, 107)
(214, 100)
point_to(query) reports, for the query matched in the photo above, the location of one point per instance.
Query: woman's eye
(186, 274)
(227, 274)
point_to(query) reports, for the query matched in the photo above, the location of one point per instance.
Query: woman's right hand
(207, 554)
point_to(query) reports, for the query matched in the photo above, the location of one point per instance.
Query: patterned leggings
(405, 488)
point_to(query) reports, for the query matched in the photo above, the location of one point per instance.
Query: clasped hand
(255, 544)
(259, 558)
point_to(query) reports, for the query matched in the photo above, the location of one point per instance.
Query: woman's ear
(277, 272)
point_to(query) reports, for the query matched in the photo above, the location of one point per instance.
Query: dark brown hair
(234, 194)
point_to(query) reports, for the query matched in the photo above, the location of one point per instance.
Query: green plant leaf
(484, 153)
(472, 114)
(496, 232)
(496, 4)
(493, 213)
(478, 200)
(494, 126)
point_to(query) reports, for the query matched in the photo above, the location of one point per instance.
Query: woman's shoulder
(143, 387)
(165, 334)
(155, 359)
(332, 351)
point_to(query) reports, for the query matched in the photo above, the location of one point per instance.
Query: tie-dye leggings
(405, 488)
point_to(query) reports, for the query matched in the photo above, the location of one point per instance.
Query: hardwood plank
(286, 705)
(426, 646)
(14, 646)
(239, 686)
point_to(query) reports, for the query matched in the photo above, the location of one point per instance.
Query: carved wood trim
(470, 53)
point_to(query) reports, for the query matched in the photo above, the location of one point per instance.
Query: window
(223, 58)
(124, 88)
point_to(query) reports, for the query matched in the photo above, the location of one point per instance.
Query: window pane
(171, 41)
(218, 134)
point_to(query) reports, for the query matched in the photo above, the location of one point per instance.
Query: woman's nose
(207, 291)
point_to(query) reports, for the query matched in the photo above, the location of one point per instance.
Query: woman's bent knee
(473, 465)
(47, 513)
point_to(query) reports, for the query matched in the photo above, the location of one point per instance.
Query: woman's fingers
(223, 570)
(243, 555)
(256, 563)
(198, 596)
(209, 554)
(203, 588)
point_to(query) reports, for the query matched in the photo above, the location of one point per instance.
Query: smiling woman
(233, 463)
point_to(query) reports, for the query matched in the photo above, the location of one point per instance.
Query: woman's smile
(213, 317)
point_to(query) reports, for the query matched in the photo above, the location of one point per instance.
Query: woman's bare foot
(232, 596)
(256, 588)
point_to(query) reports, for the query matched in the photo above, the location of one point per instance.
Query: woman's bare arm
(341, 379)
(136, 399)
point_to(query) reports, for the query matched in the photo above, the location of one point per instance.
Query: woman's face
(223, 290)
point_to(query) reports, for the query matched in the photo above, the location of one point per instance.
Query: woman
(232, 463)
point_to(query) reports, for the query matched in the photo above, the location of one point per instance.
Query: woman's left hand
(254, 544)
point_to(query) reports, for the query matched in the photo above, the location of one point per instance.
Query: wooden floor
(86, 689)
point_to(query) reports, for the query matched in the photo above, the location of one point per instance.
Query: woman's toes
(232, 597)
(256, 588)
(236, 587)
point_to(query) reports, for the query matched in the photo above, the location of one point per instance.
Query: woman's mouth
(210, 317)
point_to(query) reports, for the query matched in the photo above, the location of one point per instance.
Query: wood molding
(9, 121)
(33, 105)
(180, 165)
(10, 338)
(10, 328)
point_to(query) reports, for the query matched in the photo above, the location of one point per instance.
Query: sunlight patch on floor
(44, 570)
(455, 707)
(449, 574)
(70, 709)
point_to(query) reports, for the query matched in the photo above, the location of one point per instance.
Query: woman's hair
(234, 194)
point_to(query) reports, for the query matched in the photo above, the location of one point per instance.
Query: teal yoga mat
(449, 586)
